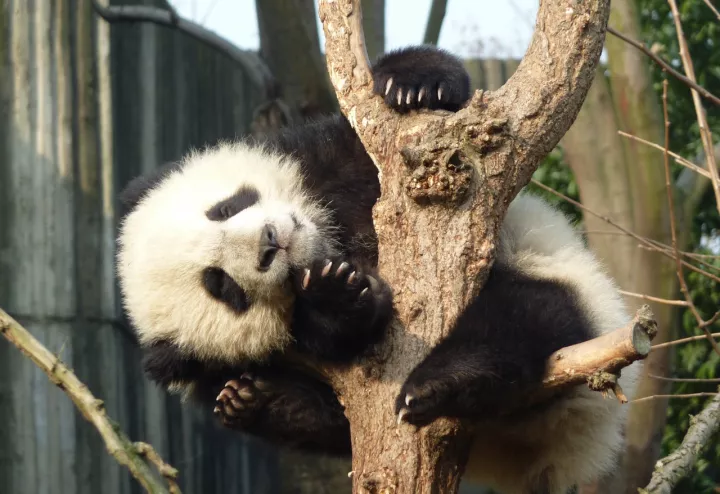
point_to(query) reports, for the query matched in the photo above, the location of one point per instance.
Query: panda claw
(364, 292)
(216, 410)
(351, 279)
(399, 96)
(388, 86)
(421, 94)
(247, 375)
(341, 269)
(401, 416)
(305, 280)
(409, 399)
(409, 97)
(326, 269)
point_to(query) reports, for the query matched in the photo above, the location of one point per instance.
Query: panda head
(206, 252)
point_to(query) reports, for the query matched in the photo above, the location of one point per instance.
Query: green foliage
(697, 359)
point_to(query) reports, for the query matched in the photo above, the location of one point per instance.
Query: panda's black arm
(282, 406)
(497, 351)
(287, 408)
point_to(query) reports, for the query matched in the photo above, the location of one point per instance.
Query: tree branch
(435, 22)
(666, 66)
(255, 68)
(451, 177)
(127, 453)
(674, 467)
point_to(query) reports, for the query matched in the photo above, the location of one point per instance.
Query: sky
(490, 28)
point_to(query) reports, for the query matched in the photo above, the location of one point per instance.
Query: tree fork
(451, 177)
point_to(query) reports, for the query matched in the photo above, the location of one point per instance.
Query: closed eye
(244, 198)
(223, 288)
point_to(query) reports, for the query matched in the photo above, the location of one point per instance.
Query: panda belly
(573, 441)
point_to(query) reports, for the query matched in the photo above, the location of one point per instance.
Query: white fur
(167, 241)
(579, 436)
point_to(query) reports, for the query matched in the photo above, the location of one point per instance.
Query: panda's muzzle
(268, 247)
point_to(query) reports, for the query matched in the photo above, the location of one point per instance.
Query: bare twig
(683, 379)
(666, 67)
(644, 241)
(712, 7)
(117, 444)
(681, 303)
(705, 135)
(678, 159)
(671, 204)
(674, 467)
(683, 340)
(679, 396)
(253, 65)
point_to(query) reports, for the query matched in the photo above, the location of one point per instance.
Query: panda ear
(138, 187)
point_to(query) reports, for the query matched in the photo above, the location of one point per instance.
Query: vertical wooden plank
(494, 76)
(477, 73)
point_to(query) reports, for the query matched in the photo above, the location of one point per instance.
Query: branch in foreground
(256, 70)
(600, 360)
(674, 467)
(130, 454)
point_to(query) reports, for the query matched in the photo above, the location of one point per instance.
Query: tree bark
(450, 177)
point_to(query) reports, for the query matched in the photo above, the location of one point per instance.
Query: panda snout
(268, 247)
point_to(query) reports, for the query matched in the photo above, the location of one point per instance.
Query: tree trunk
(374, 27)
(290, 46)
(484, 154)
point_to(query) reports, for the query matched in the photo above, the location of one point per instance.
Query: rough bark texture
(446, 183)
(676, 466)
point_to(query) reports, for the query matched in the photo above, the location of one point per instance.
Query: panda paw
(421, 402)
(242, 400)
(421, 77)
(336, 284)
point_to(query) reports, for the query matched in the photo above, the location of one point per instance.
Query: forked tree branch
(450, 177)
(137, 457)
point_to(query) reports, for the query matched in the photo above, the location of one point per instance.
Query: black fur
(339, 310)
(498, 347)
(224, 288)
(242, 199)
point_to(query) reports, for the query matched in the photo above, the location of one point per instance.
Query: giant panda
(245, 252)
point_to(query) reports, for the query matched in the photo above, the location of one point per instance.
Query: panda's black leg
(340, 309)
(497, 351)
(287, 409)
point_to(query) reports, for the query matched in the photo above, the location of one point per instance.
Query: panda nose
(268, 247)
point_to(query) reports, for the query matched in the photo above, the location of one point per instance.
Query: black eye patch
(227, 208)
(223, 288)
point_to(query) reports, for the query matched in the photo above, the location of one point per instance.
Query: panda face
(205, 258)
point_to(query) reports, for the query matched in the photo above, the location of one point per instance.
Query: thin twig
(705, 134)
(712, 7)
(666, 67)
(683, 379)
(663, 397)
(681, 303)
(678, 159)
(648, 243)
(671, 469)
(116, 442)
(671, 204)
(683, 340)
